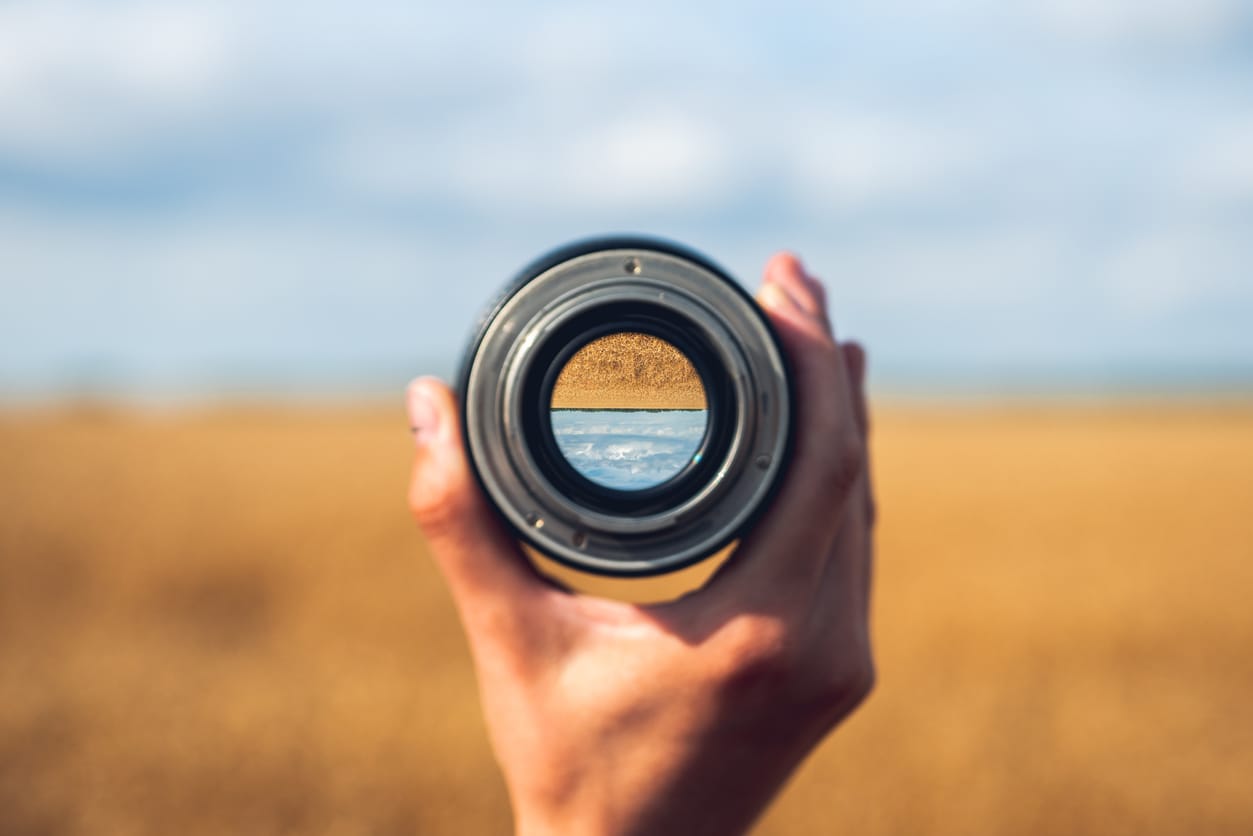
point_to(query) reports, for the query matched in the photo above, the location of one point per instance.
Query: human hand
(688, 716)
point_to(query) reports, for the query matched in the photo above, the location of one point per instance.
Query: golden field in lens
(224, 622)
(628, 370)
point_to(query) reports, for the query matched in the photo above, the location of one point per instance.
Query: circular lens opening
(628, 411)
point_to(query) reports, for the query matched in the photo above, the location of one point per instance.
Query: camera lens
(626, 407)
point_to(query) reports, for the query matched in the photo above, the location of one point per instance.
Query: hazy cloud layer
(314, 195)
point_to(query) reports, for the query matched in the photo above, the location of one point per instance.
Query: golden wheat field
(223, 622)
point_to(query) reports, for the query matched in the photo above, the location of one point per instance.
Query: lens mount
(567, 300)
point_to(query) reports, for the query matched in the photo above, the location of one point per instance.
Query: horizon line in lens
(623, 409)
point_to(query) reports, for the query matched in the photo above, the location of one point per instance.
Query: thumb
(489, 577)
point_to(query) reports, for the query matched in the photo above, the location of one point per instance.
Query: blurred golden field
(223, 622)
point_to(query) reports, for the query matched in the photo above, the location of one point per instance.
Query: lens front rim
(684, 336)
(506, 386)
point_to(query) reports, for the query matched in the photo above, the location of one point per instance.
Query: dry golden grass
(225, 623)
(628, 370)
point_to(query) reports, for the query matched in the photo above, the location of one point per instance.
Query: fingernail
(810, 280)
(797, 295)
(778, 263)
(792, 298)
(423, 413)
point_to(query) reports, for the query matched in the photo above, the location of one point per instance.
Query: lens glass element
(628, 411)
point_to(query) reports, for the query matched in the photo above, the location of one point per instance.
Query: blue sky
(220, 197)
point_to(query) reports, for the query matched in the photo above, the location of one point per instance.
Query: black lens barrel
(577, 294)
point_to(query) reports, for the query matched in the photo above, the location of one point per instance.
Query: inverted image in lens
(628, 411)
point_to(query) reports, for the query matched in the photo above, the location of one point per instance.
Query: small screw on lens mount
(581, 299)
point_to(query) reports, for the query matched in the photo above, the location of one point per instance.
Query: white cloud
(971, 271)
(855, 160)
(654, 152)
(952, 161)
(651, 159)
(1179, 23)
(1168, 271)
(1219, 167)
(631, 162)
(84, 82)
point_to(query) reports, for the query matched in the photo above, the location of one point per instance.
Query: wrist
(601, 816)
(551, 822)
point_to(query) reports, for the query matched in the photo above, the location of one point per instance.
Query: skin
(689, 716)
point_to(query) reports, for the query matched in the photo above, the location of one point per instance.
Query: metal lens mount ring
(561, 303)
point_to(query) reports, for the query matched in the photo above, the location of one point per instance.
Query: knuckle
(849, 455)
(841, 686)
(437, 512)
(827, 349)
(758, 650)
(862, 684)
(841, 463)
(859, 680)
(820, 301)
(765, 659)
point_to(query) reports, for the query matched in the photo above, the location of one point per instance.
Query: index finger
(789, 546)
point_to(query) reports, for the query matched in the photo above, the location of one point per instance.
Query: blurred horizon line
(893, 381)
